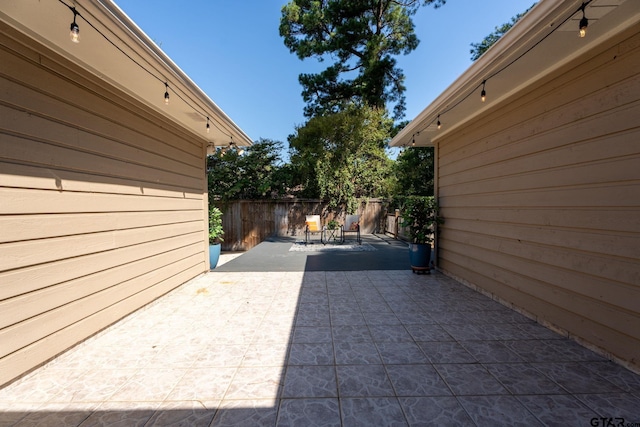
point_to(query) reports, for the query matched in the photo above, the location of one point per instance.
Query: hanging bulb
(240, 151)
(413, 141)
(584, 23)
(483, 94)
(74, 32)
(166, 94)
(208, 127)
(439, 124)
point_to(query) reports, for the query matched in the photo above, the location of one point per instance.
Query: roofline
(145, 42)
(117, 52)
(527, 32)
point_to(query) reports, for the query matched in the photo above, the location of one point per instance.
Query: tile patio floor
(360, 348)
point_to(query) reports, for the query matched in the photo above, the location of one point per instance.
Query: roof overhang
(532, 49)
(136, 66)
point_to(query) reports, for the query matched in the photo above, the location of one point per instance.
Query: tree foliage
(413, 169)
(341, 157)
(477, 49)
(258, 174)
(361, 37)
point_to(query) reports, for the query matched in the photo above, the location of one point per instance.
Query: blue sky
(233, 52)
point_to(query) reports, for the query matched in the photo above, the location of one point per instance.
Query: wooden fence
(246, 223)
(393, 226)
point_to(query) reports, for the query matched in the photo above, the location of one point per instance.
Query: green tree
(361, 37)
(413, 169)
(477, 49)
(341, 157)
(254, 175)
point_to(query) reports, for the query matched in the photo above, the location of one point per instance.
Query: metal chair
(312, 226)
(352, 225)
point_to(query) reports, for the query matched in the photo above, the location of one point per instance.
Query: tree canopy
(361, 37)
(258, 174)
(477, 49)
(341, 157)
(414, 172)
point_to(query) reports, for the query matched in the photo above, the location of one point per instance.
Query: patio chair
(312, 226)
(352, 225)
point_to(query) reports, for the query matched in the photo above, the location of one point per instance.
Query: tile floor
(372, 348)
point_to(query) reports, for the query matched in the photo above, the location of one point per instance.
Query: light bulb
(166, 94)
(74, 32)
(584, 23)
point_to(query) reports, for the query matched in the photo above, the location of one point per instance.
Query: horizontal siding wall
(542, 200)
(102, 206)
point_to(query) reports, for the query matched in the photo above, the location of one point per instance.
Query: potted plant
(333, 226)
(421, 217)
(215, 235)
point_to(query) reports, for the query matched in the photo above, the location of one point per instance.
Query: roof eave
(141, 71)
(456, 105)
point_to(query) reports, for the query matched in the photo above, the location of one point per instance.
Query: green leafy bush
(420, 215)
(215, 225)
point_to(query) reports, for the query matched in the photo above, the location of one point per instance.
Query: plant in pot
(333, 225)
(215, 235)
(421, 217)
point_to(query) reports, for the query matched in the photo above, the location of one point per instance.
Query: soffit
(139, 69)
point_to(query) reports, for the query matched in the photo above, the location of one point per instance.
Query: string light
(166, 93)
(234, 146)
(74, 34)
(413, 140)
(74, 30)
(584, 22)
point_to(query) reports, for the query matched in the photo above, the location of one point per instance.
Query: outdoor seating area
(253, 346)
(336, 234)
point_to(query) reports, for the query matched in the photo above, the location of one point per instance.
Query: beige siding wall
(542, 200)
(102, 205)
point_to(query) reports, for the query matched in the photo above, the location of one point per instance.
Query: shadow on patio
(269, 339)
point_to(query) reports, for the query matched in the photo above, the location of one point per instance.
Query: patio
(249, 345)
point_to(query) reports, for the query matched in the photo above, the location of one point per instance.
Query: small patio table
(333, 235)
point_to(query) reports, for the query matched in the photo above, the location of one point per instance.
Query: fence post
(395, 225)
